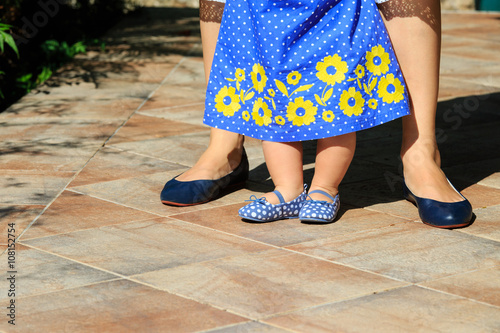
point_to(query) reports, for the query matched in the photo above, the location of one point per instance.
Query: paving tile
(17, 217)
(451, 87)
(287, 232)
(189, 113)
(38, 272)
(143, 246)
(175, 95)
(117, 306)
(112, 164)
(183, 149)
(51, 144)
(76, 108)
(31, 187)
(251, 326)
(486, 223)
(407, 251)
(479, 195)
(481, 285)
(72, 212)
(190, 72)
(139, 128)
(485, 50)
(410, 309)
(262, 284)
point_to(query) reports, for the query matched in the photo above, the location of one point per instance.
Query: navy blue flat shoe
(439, 214)
(195, 192)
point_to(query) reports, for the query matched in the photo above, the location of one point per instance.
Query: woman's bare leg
(415, 30)
(225, 148)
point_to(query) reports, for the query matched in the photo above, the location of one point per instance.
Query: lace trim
(211, 11)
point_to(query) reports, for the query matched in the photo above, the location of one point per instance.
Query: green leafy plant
(6, 38)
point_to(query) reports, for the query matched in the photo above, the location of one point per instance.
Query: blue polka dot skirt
(294, 70)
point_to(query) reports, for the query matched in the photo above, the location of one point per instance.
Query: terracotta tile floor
(82, 165)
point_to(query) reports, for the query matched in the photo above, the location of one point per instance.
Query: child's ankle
(288, 192)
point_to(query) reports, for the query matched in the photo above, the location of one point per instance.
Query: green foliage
(6, 38)
(54, 55)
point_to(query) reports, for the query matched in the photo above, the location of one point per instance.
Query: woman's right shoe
(195, 192)
(259, 210)
(439, 214)
(319, 211)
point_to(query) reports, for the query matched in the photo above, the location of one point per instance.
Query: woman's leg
(415, 30)
(333, 157)
(284, 162)
(225, 148)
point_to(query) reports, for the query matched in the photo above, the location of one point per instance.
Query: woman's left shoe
(318, 211)
(195, 192)
(447, 215)
(262, 211)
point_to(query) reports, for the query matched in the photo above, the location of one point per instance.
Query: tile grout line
(99, 149)
(118, 277)
(459, 296)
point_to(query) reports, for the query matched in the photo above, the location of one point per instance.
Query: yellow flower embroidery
(377, 60)
(360, 71)
(328, 116)
(271, 92)
(246, 115)
(227, 101)
(259, 77)
(261, 113)
(390, 89)
(301, 112)
(372, 103)
(279, 120)
(293, 78)
(240, 74)
(351, 102)
(331, 75)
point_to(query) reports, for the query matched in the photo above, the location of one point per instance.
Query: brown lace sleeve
(211, 11)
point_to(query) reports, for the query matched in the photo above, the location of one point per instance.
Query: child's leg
(284, 162)
(333, 157)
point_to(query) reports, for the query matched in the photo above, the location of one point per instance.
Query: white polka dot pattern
(320, 211)
(295, 70)
(260, 210)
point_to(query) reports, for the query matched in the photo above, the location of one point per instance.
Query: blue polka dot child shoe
(317, 211)
(259, 210)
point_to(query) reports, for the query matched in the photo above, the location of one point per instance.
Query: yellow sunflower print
(293, 78)
(377, 60)
(328, 116)
(390, 89)
(301, 112)
(240, 74)
(226, 101)
(271, 92)
(245, 115)
(372, 104)
(261, 113)
(279, 120)
(259, 78)
(360, 71)
(351, 102)
(331, 75)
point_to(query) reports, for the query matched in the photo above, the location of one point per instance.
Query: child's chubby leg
(284, 162)
(333, 157)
